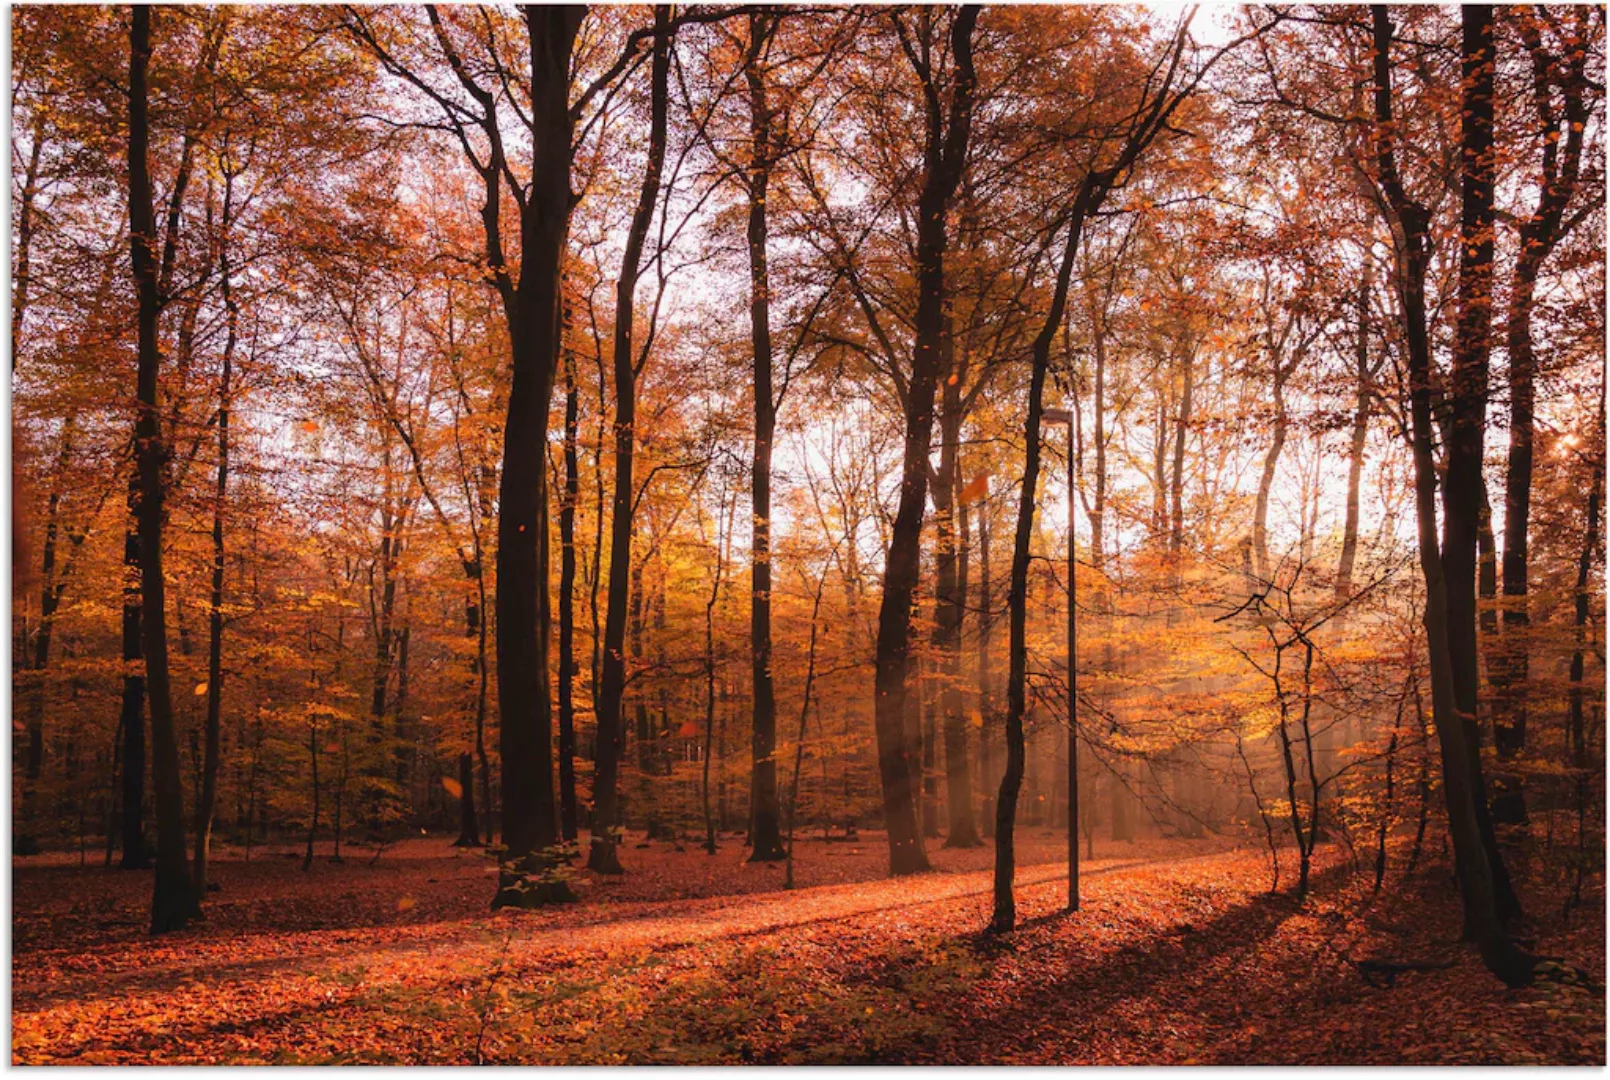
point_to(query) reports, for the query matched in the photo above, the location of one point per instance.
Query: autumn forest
(783, 534)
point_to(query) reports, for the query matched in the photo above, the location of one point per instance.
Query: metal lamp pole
(1064, 416)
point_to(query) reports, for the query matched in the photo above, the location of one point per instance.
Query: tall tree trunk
(764, 810)
(1004, 917)
(1451, 689)
(986, 676)
(945, 151)
(950, 606)
(530, 825)
(173, 903)
(207, 801)
(602, 856)
(1510, 674)
(1577, 730)
(567, 610)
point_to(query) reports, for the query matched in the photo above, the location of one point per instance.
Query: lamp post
(1065, 416)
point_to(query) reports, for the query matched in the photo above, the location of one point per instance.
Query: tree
(944, 151)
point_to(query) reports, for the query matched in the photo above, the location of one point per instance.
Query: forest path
(1170, 959)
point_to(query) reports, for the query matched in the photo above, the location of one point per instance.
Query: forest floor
(1178, 954)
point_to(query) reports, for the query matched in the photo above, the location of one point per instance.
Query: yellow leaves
(452, 787)
(405, 903)
(201, 689)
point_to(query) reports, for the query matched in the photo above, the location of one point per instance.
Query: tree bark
(1361, 425)
(764, 810)
(173, 903)
(602, 856)
(207, 801)
(944, 155)
(1557, 184)
(1450, 689)
(530, 825)
(568, 822)
(131, 717)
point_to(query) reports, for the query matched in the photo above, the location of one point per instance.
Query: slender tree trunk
(602, 857)
(1271, 462)
(944, 155)
(173, 903)
(1176, 534)
(207, 802)
(1360, 433)
(1556, 186)
(1004, 917)
(1577, 732)
(764, 811)
(986, 677)
(568, 823)
(949, 608)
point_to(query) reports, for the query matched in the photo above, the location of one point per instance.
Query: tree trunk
(765, 818)
(1510, 674)
(1004, 917)
(602, 857)
(1271, 462)
(950, 607)
(944, 155)
(131, 717)
(1355, 449)
(1451, 689)
(173, 903)
(567, 611)
(530, 826)
(1176, 533)
(207, 802)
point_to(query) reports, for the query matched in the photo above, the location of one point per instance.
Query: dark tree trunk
(530, 824)
(765, 816)
(567, 611)
(1452, 653)
(173, 903)
(132, 715)
(944, 156)
(1004, 917)
(1510, 674)
(612, 685)
(950, 606)
(986, 677)
(207, 801)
